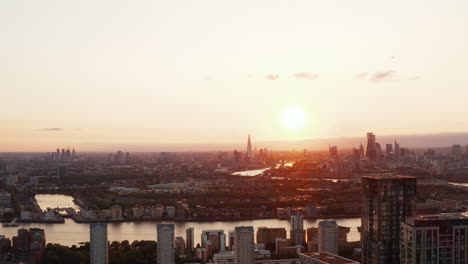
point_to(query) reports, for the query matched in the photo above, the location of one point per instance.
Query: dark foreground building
(386, 202)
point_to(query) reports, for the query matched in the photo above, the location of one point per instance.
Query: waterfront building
(386, 202)
(170, 210)
(116, 212)
(268, 236)
(441, 239)
(323, 258)
(216, 238)
(244, 245)
(231, 239)
(179, 245)
(328, 237)
(165, 246)
(29, 246)
(98, 244)
(190, 239)
(297, 229)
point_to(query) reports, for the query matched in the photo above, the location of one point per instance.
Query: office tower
(388, 149)
(386, 202)
(216, 238)
(29, 246)
(165, 250)
(378, 151)
(397, 149)
(249, 149)
(297, 229)
(73, 154)
(190, 239)
(244, 245)
(62, 156)
(361, 150)
(439, 239)
(267, 236)
(99, 245)
(333, 151)
(328, 237)
(323, 258)
(370, 147)
(179, 244)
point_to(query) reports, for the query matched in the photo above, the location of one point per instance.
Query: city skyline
(165, 73)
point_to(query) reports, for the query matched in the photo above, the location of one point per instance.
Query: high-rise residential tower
(190, 238)
(165, 251)
(297, 229)
(386, 202)
(328, 237)
(244, 245)
(268, 236)
(99, 245)
(216, 238)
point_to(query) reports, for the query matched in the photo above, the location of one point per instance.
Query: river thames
(72, 233)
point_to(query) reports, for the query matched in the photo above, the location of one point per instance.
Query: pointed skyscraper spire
(249, 149)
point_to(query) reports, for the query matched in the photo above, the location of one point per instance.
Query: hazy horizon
(414, 141)
(167, 73)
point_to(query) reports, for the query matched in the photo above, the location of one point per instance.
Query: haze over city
(113, 73)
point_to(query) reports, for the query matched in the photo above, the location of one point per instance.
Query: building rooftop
(442, 216)
(377, 177)
(328, 258)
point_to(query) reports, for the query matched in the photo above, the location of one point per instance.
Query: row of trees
(137, 252)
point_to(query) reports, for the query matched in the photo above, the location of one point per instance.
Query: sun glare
(293, 118)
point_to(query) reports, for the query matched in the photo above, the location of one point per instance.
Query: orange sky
(188, 72)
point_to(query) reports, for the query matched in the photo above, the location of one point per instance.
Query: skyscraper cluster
(63, 155)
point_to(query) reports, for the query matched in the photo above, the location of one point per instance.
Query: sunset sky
(212, 71)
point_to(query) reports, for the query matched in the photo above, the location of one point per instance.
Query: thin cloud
(362, 75)
(272, 77)
(384, 76)
(306, 75)
(52, 129)
(380, 76)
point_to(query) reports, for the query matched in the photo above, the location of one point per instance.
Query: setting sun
(293, 118)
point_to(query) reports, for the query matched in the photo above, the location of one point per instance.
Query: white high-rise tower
(244, 244)
(166, 251)
(328, 237)
(99, 245)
